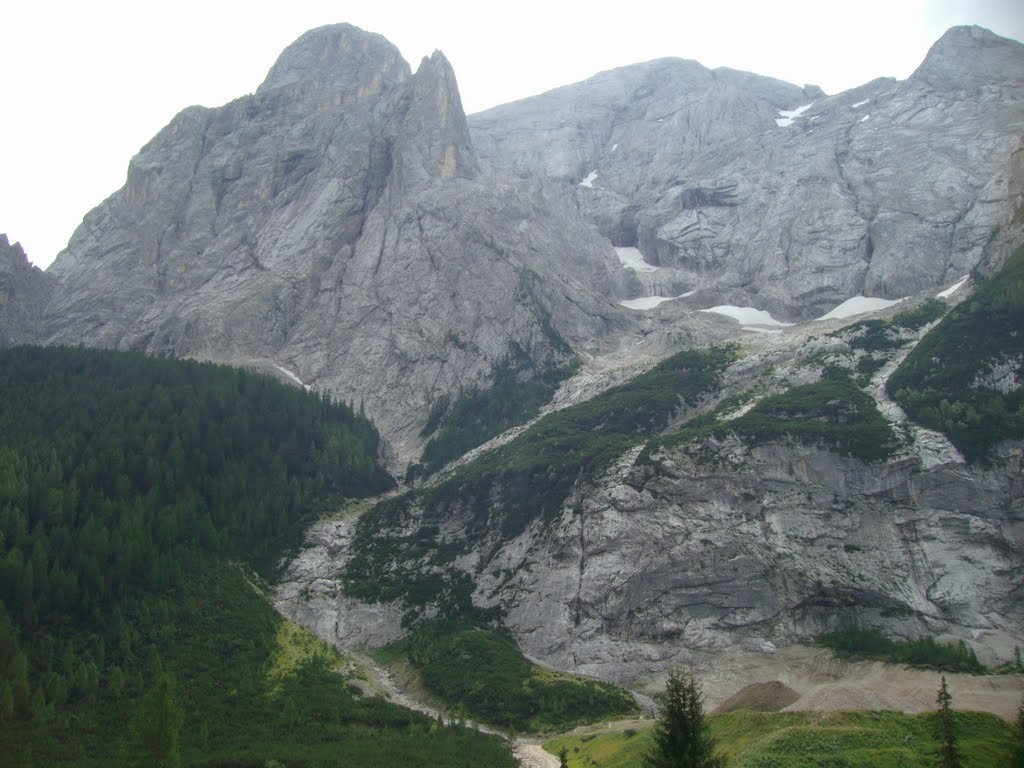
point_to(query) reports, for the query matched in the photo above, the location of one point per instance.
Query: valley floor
(824, 682)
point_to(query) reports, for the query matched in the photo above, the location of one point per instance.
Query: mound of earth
(844, 696)
(760, 697)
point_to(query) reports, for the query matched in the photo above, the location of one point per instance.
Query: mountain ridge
(809, 215)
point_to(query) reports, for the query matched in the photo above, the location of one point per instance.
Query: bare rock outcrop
(713, 547)
(782, 197)
(24, 291)
(334, 224)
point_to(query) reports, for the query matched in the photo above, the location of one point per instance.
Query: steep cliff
(333, 225)
(781, 197)
(785, 496)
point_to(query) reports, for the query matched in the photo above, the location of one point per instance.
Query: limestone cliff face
(761, 546)
(333, 225)
(24, 291)
(778, 196)
(716, 545)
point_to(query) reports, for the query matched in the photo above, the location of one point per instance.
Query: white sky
(86, 84)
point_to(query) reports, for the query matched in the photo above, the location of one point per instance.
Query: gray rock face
(24, 291)
(717, 546)
(310, 593)
(333, 225)
(782, 197)
(758, 547)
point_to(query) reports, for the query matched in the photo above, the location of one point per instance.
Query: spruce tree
(949, 756)
(157, 727)
(1018, 751)
(681, 737)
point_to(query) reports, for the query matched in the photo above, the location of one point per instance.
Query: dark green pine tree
(156, 728)
(681, 737)
(563, 758)
(949, 755)
(1018, 751)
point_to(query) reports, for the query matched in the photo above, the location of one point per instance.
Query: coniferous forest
(137, 495)
(961, 378)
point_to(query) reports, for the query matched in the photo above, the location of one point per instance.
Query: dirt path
(527, 753)
(533, 756)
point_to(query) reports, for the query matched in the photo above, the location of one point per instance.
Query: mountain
(719, 509)
(720, 506)
(346, 228)
(334, 225)
(622, 494)
(781, 197)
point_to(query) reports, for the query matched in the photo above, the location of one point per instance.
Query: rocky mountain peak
(338, 58)
(24, 290)
(883, 190)
(12, 257)
(434, 141)
(333, 228)
(968, 57)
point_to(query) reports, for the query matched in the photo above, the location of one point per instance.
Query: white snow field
(633, 259)
(787, 116)
(952, 289)
(646, 302)
(746, 315)
(858, 305)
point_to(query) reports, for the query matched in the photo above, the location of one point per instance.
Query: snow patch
(761, 330)
(787, 116)
(952, 289)
(645, 302)
(860, 103)
(858, 305)
(291, 375)
(650, 302)
(865, 118)
(746, 315)
(614, 147)
(633, 259)
(589, 181)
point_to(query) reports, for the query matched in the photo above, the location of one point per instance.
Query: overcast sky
(86, 84)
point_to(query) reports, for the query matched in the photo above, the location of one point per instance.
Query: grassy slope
(805, 739)
(507, 489)
(835, 414)
(481, 673)
(854, 642)
(478, 416)
(254, 688)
